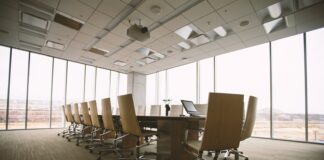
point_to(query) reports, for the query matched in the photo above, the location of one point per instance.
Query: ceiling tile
(170, 51)
(258, 5)
(11, 3)
(121, 30)
(309, 14)
(62, 31)
(228, 41)
(25, 37)
(114, 39)
(148, 7)
(159, 32)
(171, 39)
(256, 41)
(252, 20)
(282, 33)
(99, 19)
(198, 11)
(217, 4)
(157, 45)
(216, 52)
(177, 3)
(77, 45)
(105, 45)
(111, 7)
(79, 10)
(136, 17)
(134, 46)
(209, 22)
(234, 47)
(58, 38)
(251, 33)
(235, 10)
(310, 25)
(91, 3)
(90, 29)
(52, 52)
(176, 23)
(84, 38)
(11, 37)
(8, 13)
(209, 47)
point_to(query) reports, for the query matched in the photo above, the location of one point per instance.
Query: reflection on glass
(90, 83)
(182, 83)
(315, 85)
(206, 79)
(288, 84)
(102, 86)
(4, 72)
(150, 91)
(58, 92)
(75, 83)
(18, 89)
(39, 96)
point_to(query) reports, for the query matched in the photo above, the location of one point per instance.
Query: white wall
(136, 84)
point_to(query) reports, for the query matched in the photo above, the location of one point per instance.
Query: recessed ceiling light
(35, 21)
(184, 45)
(98, 51)
(54, 45)
(140, 63)
(148, 60)
(202, 39)
(68, 21)
(270, 26)
(150, 53)
(220, 31)
(188, 32)
(275, 10)
(120, 63)
(244, 23)
(155, 9)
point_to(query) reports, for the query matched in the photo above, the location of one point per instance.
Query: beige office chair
(155, 110)
(71, 128)
(129, 122)
(248, 125)
(76, 114)
(223, 125)
(65, 131)
(140, 110)
(176, 110)
(87, 124)
(201, 108)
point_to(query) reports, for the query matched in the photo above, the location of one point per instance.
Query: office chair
(176, 110)
(155, 110)
(96, 127)
(66, 130)
(223, 125)
(130, 125)
(72, 128)
(140, 110)
(247, 127)
(86, 123)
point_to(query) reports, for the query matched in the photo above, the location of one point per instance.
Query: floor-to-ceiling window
(288, 88)
(75, 83)
(315, 85)
(90, 81)
(102, 86)
(206, 79)
(58, 92)
(182, 83)
(4, 72)
(122, 84)
(39, 92)
(247, 72)
(114, 89)
(151, 87)
(18, 89)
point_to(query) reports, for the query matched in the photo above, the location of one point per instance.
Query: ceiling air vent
(54, 45)
(98, 51)
(68, 21)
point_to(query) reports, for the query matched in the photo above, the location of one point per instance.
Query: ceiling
(96, 15)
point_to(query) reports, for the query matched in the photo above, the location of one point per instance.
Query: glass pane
(102, 86)
(114, 90)
(247, 72)
(162, 86)
(122, 84)
(182, 83)
(4, 72)
(206, 79)
(90, 83)
(75, 83)
(39, 92)
(315, 79)
(18, 89)
(288, 88)
(58, 92)
(150, 91)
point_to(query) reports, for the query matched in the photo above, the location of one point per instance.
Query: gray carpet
(46, 145)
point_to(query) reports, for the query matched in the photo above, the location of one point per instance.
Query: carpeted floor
(46, 145)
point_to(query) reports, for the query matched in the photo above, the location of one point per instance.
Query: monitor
(189, 106)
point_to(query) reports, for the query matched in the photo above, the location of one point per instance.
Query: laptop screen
(189, 106)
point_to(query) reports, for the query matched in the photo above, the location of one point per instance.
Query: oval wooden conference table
(171, 132)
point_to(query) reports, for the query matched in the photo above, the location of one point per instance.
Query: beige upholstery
(176, 110)
(76, 114)
(140, 110)
(155, 110)
(201, 108)
(107, 115)
(85, 114)
(68, 112)
(223, 123)
(250, 118)
(64, 113)
(94, 113)
(128, 117)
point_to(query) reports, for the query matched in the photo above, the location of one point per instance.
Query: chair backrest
(140, 110)
(176, 110)
(155, 110)
(94, 113)
(64, 113)
(223, 122)
(250, 118)
(85, 114)
(201, 108)
(107, 118)
(76, 114)
(68, 112)
(128, 117)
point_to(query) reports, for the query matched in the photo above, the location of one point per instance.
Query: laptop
(190, 108)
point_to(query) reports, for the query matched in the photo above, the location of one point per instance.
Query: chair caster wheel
(69, 139)
(63, 136)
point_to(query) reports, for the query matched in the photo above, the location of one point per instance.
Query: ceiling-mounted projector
(138, 32)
